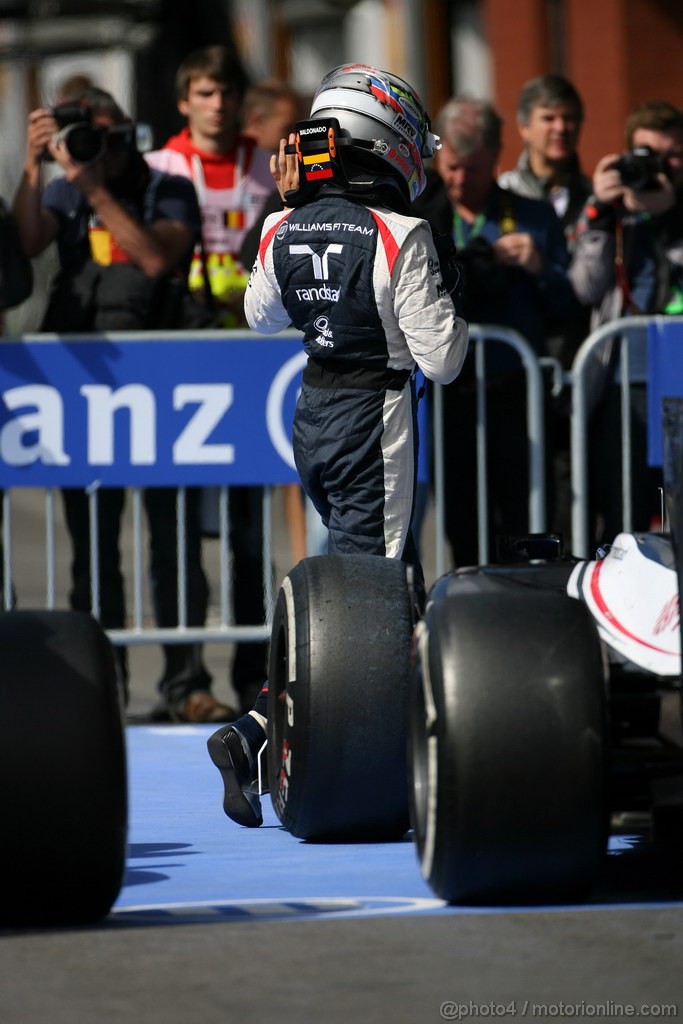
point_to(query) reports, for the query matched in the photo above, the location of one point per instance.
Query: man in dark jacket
(515, 259)
(122, 232)
(549, 118)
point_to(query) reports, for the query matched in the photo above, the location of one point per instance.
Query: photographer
(634, 219)
(513, 253)
(125, 235)
(231, 175)
(629, 260)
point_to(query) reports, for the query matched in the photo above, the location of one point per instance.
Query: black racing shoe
(241, 800)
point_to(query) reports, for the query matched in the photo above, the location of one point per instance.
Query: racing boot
(229, 750)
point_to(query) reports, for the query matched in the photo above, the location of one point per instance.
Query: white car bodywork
(632, 594)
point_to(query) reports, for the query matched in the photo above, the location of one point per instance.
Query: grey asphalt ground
(567, 964)
(371, 971)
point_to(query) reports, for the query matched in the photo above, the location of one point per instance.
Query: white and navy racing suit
(365, 287)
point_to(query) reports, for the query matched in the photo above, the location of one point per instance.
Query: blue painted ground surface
(184, 851)
(187, 861)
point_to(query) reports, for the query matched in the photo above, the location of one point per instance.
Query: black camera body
(84, 140)
(478, 253)
(639, 169)
(485, 278)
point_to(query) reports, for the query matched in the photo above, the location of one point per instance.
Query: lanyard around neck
(506, 220)
(459, 229)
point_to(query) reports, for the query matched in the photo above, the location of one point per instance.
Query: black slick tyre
(338, 699)
(507, 746)
(62, 770)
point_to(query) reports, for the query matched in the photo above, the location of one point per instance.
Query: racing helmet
(380, 135)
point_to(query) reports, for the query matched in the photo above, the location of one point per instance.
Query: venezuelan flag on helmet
(317, 166)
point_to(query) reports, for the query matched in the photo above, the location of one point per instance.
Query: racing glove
(450, 269)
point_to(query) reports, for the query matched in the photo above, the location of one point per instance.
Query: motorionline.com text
(451, 1009)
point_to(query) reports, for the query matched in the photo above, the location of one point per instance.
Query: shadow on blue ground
(635, 874)
(187, 863)
(153, 872)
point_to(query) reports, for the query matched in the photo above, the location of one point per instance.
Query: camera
(84, 141)
(484, 277)
(639, 169)
(478, 260)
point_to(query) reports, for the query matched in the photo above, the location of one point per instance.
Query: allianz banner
(148, 410)
(665, 377)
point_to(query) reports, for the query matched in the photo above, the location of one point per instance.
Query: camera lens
(83, 142)
(638, 169)
(634, 174)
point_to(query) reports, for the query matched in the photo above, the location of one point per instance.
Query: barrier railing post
(181, 542)
(629, 329)
(268, 554)
(481, 334)
(626, 445)
(481, 437)
(137, 558)
(225, 556)
(8, 583)
(50, 549)
(93, 518)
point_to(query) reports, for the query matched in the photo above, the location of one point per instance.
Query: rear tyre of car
(62, 770)
(338, 699)
(507, 747)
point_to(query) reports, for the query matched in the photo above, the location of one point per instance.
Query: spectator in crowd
(16, 284)
(549, 118)
(515, 259)
(269, 112)
(355, 440)
(123, 233)
(16, 275)
(629, 259)
(73, 86)
(231, 175)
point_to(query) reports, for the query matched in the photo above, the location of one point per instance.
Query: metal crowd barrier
(141, 632)
(629, 334)
(480, 335)
(626, 333)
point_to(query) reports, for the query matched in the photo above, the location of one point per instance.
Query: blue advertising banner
(665, 373)
(148, 410)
